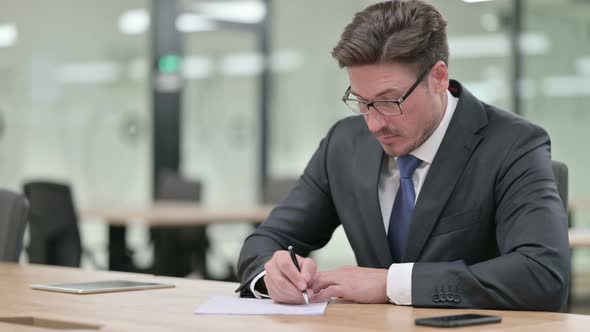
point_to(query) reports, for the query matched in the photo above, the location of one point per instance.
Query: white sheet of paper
(230, 305)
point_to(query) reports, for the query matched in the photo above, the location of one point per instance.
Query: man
(445, 200)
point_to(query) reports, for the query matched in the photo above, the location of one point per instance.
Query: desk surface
(579, 238)
(171, 309)
(171, 213)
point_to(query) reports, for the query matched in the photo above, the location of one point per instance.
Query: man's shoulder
(353, 122)
(350, 127)
(509, 122)
(479, 114)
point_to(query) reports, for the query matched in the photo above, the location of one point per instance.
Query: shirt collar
(427, 150)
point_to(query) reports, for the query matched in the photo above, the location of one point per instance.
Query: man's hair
(411, 32)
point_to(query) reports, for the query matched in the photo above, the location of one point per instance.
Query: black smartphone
(458, 320)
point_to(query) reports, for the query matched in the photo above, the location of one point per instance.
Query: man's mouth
(387, 138)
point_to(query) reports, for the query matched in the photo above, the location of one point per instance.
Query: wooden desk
(164, 214)
(579, 238)
(579, 203)
(171, 309)
(170, 213)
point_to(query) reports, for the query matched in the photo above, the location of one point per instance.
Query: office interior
(255, 90)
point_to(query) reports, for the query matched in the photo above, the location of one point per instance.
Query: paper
(229, 305)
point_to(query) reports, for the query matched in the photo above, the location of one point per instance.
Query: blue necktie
(403, 207)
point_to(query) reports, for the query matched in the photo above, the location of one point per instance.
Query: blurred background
(109, 96)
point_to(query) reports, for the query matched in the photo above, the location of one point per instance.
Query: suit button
(443, 297)
(436, 297)
(450, 297)
(457, 298)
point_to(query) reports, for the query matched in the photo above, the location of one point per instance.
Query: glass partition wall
(558, 99)
(220, 115)
(74, 101)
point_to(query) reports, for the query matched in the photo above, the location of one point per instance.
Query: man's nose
(375, 121)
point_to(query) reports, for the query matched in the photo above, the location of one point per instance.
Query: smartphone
(458, 320)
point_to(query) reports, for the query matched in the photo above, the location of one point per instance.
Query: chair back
(560, 171)
(179, 250)
(172, 186)
(54, 233)
(13, 220)
(276, 189)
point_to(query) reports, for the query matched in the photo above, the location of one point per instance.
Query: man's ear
(439, 77)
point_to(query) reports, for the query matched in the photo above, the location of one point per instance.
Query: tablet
(101, 286)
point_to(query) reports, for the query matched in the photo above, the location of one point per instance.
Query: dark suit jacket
(488, 231)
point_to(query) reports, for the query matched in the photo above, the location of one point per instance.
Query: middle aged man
(445, 200)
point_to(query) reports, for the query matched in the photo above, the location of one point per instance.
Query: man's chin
(396, 150)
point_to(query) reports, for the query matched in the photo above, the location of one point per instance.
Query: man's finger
(308, 268)
(324, 280)
(328, 293)
(288, 269)
(281, 289)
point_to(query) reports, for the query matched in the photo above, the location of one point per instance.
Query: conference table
(172, 309)
(179, 214)
(175, 213)
(164, 214)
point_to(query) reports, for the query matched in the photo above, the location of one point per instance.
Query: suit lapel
(368, 161)
(456, 148)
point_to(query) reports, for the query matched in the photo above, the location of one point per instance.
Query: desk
(164, 214)
(171, 309)
(579, 238)
(170, 213)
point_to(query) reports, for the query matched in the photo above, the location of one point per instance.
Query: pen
(294, 259)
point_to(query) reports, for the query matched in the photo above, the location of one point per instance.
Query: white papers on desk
(230, 305)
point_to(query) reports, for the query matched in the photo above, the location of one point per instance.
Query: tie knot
(407, 165)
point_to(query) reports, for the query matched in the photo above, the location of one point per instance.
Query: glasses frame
(398, 101)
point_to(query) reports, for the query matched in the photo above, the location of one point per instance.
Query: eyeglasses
(384, 107)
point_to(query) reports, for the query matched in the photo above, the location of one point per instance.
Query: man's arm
(533, 269)
(305, 219)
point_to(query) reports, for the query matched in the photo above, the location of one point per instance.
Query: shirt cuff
(256, 293)
(399, 283)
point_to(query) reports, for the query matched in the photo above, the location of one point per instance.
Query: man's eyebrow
(382, 93)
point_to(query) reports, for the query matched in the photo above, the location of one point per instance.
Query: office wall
(559, 95)
(220, 138)
(74, 96)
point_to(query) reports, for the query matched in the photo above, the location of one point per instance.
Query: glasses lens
(356, 106)
(388, 108)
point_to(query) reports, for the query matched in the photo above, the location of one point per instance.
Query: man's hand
(351, 283)
(283, 282)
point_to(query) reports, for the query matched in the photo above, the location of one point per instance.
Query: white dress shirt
(399, 276)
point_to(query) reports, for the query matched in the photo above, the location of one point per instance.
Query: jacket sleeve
(305, 219)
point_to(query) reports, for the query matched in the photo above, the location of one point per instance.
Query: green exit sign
(169, 64)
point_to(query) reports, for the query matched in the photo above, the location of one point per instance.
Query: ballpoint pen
(294, 259)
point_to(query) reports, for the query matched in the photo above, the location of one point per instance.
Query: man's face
(422, 110)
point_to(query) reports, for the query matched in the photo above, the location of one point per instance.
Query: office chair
(276, 189)
(178, 251)
(560, 171)
(53, 225)
(13, 220)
